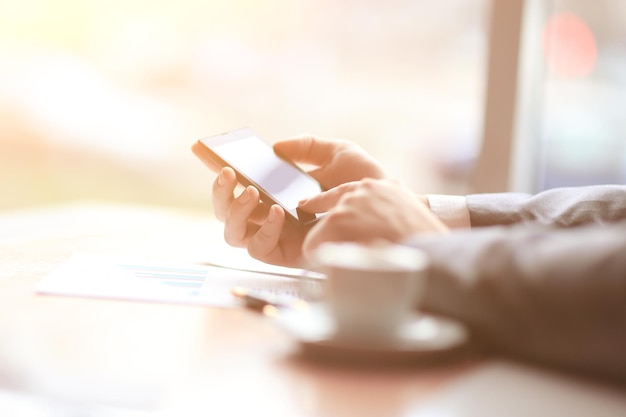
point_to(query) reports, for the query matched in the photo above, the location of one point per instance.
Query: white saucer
(422, 337)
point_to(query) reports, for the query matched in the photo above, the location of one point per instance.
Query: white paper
(101, 276)
(237, 258)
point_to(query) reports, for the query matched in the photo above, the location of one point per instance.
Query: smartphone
(255, 163)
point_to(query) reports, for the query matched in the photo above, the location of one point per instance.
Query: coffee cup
(370, 290)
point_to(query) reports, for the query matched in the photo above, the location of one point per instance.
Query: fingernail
(244, 197)
(272, 215)
(220, 178)
(303, 202)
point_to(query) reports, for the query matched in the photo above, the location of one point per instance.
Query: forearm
(556, 296)
(562, 207)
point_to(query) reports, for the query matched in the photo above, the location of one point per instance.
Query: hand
(251, 224)
(367, 211)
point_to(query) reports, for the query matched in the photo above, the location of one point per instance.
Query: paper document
(238, 258)
(101, 276)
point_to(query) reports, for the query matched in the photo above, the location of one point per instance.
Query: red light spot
(569, 46)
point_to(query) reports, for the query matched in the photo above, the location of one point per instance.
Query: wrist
(452, 210)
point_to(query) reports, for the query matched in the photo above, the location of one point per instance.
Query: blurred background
(580, 116)
(103, 99)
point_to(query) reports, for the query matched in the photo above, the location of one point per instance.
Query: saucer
(423, 337)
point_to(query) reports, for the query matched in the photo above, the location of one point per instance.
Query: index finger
(326, 200)
(307, 149)
(222, 192)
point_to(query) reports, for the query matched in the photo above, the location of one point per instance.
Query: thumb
(307, 150)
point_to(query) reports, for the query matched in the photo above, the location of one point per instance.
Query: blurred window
(580, 117)
(103, 98)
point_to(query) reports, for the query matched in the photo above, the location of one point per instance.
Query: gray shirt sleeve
(562, 207)
(556, 296)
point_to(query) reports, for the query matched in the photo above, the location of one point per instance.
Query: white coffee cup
(371, 290)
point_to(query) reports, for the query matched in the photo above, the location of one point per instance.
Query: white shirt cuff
(451, 210)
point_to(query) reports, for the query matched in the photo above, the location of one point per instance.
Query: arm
(549, 295)
(563, 207)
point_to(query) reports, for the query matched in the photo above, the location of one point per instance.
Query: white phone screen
(257, 160)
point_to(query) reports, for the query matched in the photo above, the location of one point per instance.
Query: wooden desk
(204, 361)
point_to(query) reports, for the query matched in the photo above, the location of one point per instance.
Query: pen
(258, 300)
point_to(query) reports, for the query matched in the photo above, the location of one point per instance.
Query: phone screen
(256, 160)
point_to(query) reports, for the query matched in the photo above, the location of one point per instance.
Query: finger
(259, 214)
(222, 197)
(222, 192)
(237, 228)
(339, 225)
(264, 244)
(307, 149)
(328, 199)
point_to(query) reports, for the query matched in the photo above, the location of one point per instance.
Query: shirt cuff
(451, 210)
